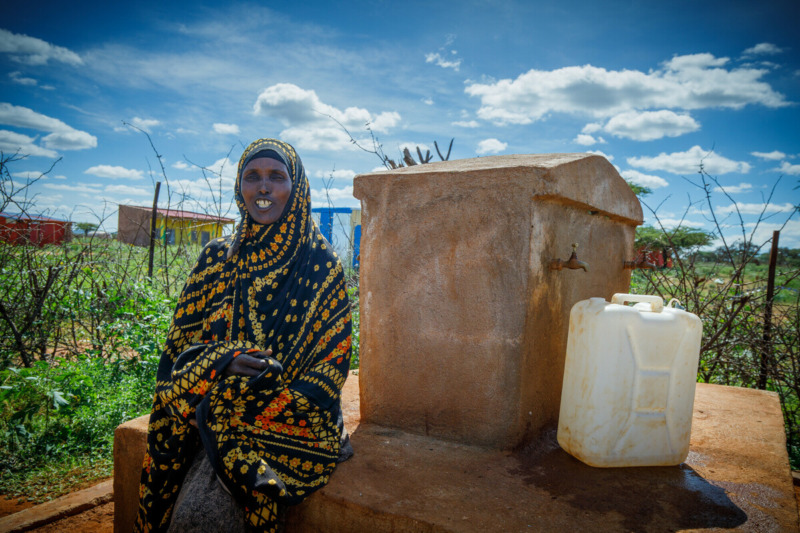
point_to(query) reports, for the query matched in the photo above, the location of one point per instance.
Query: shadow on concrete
(647, 498)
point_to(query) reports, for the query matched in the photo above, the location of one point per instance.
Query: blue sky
(655, 86)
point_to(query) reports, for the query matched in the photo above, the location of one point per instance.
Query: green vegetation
(674, 240)
(732, 306)
(58, 420)
(82, 326)
(81, 331)
(352, 292)
(748, 340)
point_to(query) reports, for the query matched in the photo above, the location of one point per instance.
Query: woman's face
(266, 188)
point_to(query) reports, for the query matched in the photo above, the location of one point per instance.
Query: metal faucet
(642, 264)
(571, 263)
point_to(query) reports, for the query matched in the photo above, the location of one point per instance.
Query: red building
(34, 229)
(655, 257)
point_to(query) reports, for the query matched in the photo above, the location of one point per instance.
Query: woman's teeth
(263, 204)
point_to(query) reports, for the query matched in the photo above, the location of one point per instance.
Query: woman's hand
(249, 364)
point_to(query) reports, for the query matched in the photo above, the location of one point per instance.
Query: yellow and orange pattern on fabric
(273, 439)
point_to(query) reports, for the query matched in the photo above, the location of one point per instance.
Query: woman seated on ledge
(246, 417)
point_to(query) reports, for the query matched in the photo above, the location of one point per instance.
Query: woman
(256, 356)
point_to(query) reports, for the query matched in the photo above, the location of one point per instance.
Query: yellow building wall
(187, 231)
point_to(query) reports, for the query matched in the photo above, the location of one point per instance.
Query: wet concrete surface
(737, 477)
(646, 498)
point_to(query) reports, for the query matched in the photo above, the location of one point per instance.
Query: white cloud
(412, 147)
(63, 136)
(671, 223)
(83, 188)
(755, 209)
(145, 124)
(33, 51)
(31, 175)
(688, 162)
(181, 165)
(762, 49)
(645, 180)
(384, 121)
(23, 117)
(308, 120)
(775, 155)
(70, 140)
(787, 168)
(688, 82)
(17, 77)
(341, 174)
(127, 189)
(28, 175)
(790, 233)
(650, 125)
(734, 189)
(592, 127)
(587, 140)
(11, 142)
(695, 61)
(342, 197)
(226, 129)
(427, 101)
(223, 170)
(598, 152)
(325, 138)
(114, 172)
(466, 123)
(490, 146)
(437, 58)
(195, 190)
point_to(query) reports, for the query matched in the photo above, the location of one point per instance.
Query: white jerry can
(629, 382)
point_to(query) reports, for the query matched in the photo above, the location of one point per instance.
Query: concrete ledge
(130, 443)
(68, 505)
(737, 476)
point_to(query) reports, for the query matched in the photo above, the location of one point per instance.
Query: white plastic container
(629, 382)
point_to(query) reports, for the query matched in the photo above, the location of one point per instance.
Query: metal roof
(189, 215)
(25, 216)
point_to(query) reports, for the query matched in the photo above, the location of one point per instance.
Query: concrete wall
(130, 443)
(463, 325)
(133, 225)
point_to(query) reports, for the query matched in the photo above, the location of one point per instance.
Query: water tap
(571, 263)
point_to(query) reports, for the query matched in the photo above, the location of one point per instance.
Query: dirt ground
(12, 505)
(97, 520)
(101, 519)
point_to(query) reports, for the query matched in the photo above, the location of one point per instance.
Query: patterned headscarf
(274, 438)
(256, 149)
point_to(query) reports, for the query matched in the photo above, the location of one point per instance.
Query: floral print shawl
(272, 439)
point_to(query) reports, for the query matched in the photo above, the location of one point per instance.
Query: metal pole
(765, 349)
(153, 231)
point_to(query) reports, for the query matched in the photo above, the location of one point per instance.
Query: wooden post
(765, 349)
(153, 231)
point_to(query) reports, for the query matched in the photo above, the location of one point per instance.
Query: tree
(639, 190)
(677, 240)
(86, 227)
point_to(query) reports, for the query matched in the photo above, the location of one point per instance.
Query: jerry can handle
(656, 303)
